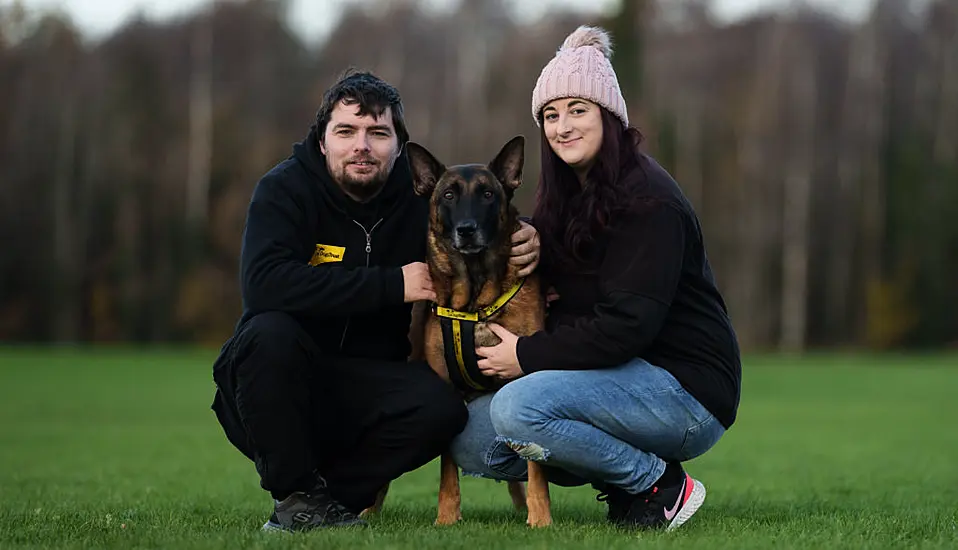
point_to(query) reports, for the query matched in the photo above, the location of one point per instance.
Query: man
(314, 386)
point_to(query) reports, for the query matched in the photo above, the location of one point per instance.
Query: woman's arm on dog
(275, 275)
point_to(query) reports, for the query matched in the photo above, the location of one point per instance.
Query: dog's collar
(483, 313)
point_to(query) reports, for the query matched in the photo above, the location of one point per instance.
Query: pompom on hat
(581, 68)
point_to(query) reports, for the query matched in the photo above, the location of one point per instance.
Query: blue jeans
(614, 426)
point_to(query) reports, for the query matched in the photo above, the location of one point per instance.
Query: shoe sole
(270, 526)
(275, 527)
(691, 506)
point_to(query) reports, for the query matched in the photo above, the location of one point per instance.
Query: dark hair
(572, 217)
(373, 95)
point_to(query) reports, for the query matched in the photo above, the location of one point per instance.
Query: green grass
(118, 449)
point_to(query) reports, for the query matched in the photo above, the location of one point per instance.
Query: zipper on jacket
(369, 249)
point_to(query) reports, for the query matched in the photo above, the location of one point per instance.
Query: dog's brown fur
(470, 282)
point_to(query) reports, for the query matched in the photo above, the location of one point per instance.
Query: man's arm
(525, 248)
(417, 331)
(274, 276)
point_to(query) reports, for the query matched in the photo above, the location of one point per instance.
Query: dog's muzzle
(468, 238)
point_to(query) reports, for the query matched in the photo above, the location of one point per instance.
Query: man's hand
(525, 249)
(416, 282)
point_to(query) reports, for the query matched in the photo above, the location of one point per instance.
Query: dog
(471, 221)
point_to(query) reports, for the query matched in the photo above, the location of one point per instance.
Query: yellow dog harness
(458, 341)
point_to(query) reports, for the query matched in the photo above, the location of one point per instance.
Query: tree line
(821, 154)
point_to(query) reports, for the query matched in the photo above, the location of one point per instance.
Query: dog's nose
(467, 229)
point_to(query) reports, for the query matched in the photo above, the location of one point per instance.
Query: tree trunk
(872, 188)
(797, 204)
(689, 162)
(67, 256)
(201, 123)
(858, 176)
(946, 132)
(758, 203)
(472, 70)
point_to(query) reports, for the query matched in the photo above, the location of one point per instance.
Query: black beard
(363, 190)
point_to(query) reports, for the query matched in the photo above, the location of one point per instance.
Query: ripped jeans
(605, 427)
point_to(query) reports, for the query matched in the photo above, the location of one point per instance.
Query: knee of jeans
(516, 414)
(514, 410)
(700, 438)
(469, 452)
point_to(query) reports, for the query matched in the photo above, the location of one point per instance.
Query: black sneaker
(313, 509)
(618, 501)
(666, 505)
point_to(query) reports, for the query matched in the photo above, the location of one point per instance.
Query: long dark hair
(572, 218)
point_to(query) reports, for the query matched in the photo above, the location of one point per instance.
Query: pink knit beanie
(581, 68)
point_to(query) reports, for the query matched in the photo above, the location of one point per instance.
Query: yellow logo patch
(327, 253)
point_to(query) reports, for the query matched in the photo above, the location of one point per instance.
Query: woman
(638, 369)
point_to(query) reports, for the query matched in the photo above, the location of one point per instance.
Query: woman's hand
(551, 296)
(500, 361)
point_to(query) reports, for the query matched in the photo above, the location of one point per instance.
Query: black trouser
(357, 422)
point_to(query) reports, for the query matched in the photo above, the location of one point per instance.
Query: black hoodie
(651, 294)
(330, 262)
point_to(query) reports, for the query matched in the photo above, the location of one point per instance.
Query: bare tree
(67, 234)
(796, 212)
(201, 122)
(759, 200)
(946, 132)
(689, 135)
(856, 213)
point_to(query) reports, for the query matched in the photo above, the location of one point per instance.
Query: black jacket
(330, 262)
(650, 294)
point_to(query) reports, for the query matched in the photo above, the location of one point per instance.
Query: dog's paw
(541, 521)
(448, 518)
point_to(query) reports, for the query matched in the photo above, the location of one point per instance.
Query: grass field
(118, 449)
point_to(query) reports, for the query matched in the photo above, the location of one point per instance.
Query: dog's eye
(448, 195)
(487, 194)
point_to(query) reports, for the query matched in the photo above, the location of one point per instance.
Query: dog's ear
(426, 170)
(507, 166)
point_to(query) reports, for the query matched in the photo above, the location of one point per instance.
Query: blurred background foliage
(820, 153)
